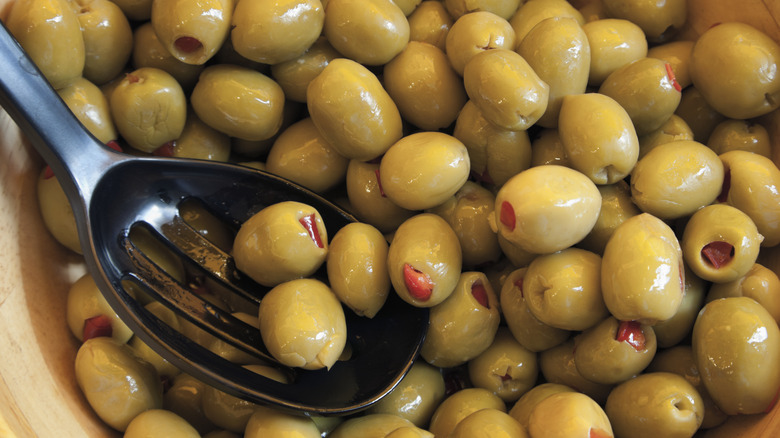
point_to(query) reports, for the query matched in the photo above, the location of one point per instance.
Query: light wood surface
(38, 393)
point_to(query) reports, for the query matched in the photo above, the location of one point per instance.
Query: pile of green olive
(578, 195)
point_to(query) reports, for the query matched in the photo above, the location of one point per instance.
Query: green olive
(371, 32)
(525, 327)
(56, 212)
(547, 208)
(428, 92)
(732, 134)
(258, 149)
(302, 324)
(192, 32)
(271, 31)
(370, 425)
(226, 411)
(547, 148)
(464, 325)
(752, 186)
(496, 154)
(643, 256)
(164, 368)
(117, 384)
(266, 422)
(616, 207)
(459, 405)
(659, 20)
(468, 213)
(107, 39)
(674, 330)
(655, 404)
(731, 65)
(522, 408)
(557, 366)
(760, 283)
(700, 116)
(532, 12)
(357, 268)
(353, 112)
(614, 42)
(506, 368)
(507, 90)
(302, 155)
(558, 51)
(614, 351)
(675, 179)
(424, 169)
(148, 51)
(488, 423)
(368, 200)
(160, 422)
(281, 242)
(85, 301)
(416, 396)
(184, 399)
(720, 243)
(678, 55)
(647, 90)
(429, 23)
(475, 33)
(599, 137)
(50, 32)
(90, 106)
(238, 101)
(516, 254)
(407, 6)
(198, 140)
(149, 108)
(294, 75)
(738, 361)
(674, 129)
(504, 9)
(568, 414)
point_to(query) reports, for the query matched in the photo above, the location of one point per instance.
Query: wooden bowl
(38, 392)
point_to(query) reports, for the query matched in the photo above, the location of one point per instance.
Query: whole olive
(108, 39)
(659, 20)
(614, 42)
(429, 23)
(294, 75)
(193, 32)
(475, 33)
(506, 368)
(568, 414)
(532, 12)
(416, 396)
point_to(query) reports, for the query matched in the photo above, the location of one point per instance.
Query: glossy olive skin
(90, 106)
(547, 208)
(201, 141)
(743, 58)
(117, 385)
(674, 330)
(238, 101)
(738, 361)
(271, 32)
(753, 182)
(353, 112)
(475, 33)
(488, 423)
(616, 207)
(149, 108)
(525, 327)
(468, 213)
(459, 405)
(568, 414)
(531, 13)
(643, 255)
(429, 23)
(496, 154)
(506, 368)
(50, 32)
(192, 32)
(522, 408)
(302, 324)
(184, 399)
(732, 134)
(302, 155)
(557, 366)
(421, 81)
(609, 148)
(162, 422)
(547, 148)
(558, 51)
(675, 179)
(357, 268)
(371, 426)
(659, 20)
(294, 75)
(507, 90)
(56, 212)
(416, 397)
(463, 325)
(760, 283)
(85, 301)
(563, 289)
(646, 90)
(369, 202)
(725, 224)
(148, 51)
(655, 404)
(107, 39)
(276, 245)
(602, 354)
(700, 116)
(678, 55)
(267, 421)
(614, 42)
(370, 32)
(674, 129)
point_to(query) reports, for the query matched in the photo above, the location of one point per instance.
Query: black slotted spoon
(112, 193)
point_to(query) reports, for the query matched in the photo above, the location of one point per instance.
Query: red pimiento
(507, 215)
(480, 294)
(379, 184)
(670, 74)
(48, 173)
(519, 286)
(114, 145)
(725, 187)
(598, 433)
(97, 326)
(133, 78)
(165, 150)
(310, 224)
(418, 283)
(631, 332)
(718, 254)
(188, 44)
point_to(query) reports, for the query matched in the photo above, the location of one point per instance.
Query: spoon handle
(76, 157)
